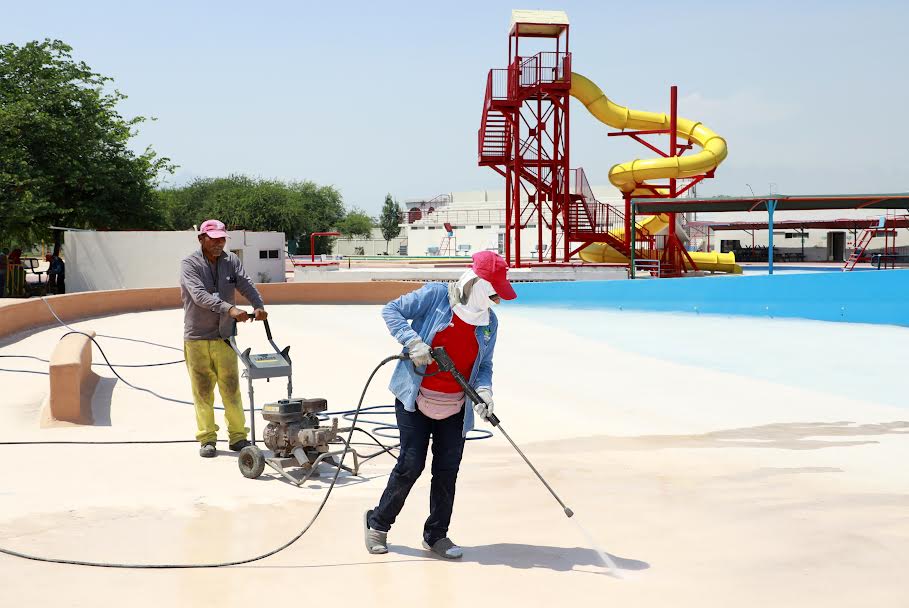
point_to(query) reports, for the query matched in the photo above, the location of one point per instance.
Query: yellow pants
(213, 362)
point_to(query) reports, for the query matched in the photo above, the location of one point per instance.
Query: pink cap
(490, 266)
(214, 229)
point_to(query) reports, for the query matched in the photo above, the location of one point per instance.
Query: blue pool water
(880, 297)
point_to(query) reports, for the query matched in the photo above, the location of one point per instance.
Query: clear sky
(386, 97)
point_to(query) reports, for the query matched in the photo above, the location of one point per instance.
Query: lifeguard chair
(449, 244)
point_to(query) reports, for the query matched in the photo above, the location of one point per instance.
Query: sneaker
(208, 450)
(236, 447)
(376, 541)
(444, 548)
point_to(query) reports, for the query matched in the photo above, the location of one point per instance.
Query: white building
(477, 220)
(121, 260)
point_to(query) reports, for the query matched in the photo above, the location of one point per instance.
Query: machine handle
(267, 328)
(268, 334)
(252, 317)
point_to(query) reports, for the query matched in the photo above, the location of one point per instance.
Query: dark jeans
(447, 448)
(56, 283)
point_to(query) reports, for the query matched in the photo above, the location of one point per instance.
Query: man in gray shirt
(209, 280)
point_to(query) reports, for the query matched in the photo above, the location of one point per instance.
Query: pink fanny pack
(439, 406)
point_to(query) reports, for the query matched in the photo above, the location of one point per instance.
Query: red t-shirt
(460, 342)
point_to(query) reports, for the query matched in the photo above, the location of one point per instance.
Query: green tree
(390, 220)
(64, 155)
(317, 209)
(296, 208)
(356, 224)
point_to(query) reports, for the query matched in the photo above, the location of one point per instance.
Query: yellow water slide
(626, 176)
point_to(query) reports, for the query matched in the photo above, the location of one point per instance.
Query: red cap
(490, 266)
(214, 229)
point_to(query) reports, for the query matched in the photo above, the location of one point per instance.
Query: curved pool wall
(880, 297)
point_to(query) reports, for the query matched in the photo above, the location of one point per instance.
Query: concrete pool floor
(712, 487)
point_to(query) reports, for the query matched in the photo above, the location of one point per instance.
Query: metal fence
(544, 68)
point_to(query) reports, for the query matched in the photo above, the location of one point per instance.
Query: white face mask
(473, 295)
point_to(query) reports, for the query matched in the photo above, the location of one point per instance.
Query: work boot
(208, 450)
(445, 548)
(376, 541)
(236, 447)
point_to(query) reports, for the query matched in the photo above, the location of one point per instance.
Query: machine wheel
(251, 462)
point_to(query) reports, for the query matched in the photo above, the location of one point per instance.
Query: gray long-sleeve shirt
(209, 292)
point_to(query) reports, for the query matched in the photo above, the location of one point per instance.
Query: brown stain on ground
(784, 436)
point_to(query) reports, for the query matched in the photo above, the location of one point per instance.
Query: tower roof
(538, 23)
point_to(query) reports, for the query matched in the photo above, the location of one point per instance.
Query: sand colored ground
(709, 486)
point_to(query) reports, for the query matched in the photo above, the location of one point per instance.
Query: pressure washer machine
(294, 433)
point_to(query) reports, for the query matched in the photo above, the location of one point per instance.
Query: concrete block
(72, 381)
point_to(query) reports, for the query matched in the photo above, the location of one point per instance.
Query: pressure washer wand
(447, 365)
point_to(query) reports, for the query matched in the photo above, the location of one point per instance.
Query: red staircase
(592, 221)
(859, 250)
(495, 143)
(879, 228)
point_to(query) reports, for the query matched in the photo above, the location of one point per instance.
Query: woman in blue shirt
(428, 406)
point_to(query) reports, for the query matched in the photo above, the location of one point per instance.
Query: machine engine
(294, 423)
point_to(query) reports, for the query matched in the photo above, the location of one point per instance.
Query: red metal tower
(524, 136)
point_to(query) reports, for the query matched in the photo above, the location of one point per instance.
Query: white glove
(420, 352)
(484, 410)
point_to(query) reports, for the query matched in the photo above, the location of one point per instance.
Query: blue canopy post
(771, 207)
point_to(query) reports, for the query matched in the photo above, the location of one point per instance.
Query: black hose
(238, 562)
(122, 379)
(111, 365)
(385, 449)
(137, 340)
(111, 442)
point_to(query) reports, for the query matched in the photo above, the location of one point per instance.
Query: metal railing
(544, 68)
(648, 246)
(502, 85)
(459, 218)
(497, 84)
(888, 260)
(438, 199)
(588, 215)
(474, 217)
(492, 138)
(648, 265)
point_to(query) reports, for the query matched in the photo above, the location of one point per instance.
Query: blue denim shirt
(430, 312)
